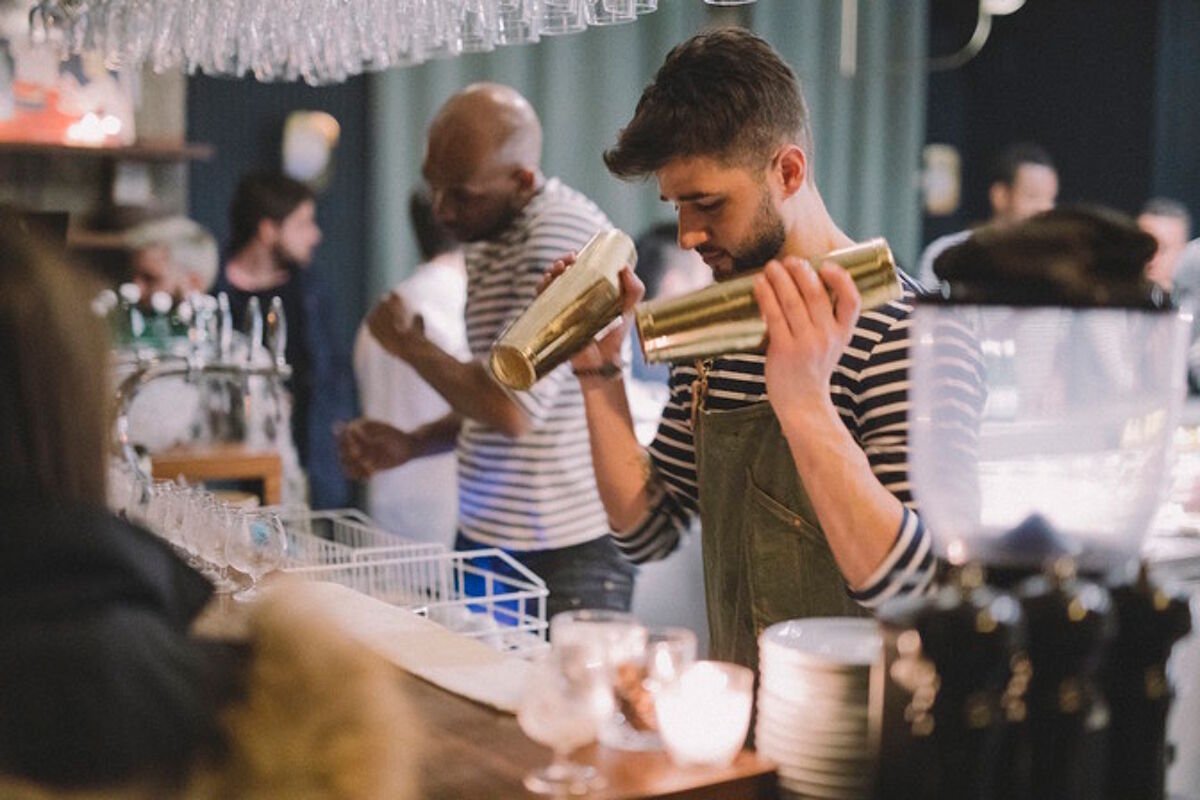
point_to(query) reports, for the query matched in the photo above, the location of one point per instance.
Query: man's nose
(691, 235)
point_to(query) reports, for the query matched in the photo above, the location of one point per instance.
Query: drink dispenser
(1047, 381)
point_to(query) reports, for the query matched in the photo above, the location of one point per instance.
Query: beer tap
(202, 362)
(277, 345)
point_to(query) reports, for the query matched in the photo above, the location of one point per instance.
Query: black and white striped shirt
(869, 388)
(537, 491)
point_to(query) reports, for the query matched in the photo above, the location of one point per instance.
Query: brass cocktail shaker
(724, 317)
(565, 317)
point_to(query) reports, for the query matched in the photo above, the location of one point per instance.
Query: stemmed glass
(256, 545)
(617, 642)
(566, 696)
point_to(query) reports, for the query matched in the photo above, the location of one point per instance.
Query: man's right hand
(607, 348)
(367, 446)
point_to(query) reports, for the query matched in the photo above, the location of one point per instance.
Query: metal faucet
(197, 364)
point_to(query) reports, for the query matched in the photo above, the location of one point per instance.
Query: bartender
(797, 462)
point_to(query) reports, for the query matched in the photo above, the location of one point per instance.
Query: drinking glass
(616, 641)
(610, 12)
(669, 652)
(517, 21)
(566, 695)
(562, 16)
(478, 26)
(704, 715)
(255, 546)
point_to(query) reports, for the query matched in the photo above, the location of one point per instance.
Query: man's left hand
(394, 327)
(807, 332)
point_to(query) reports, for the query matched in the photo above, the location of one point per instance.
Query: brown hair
(724, 94)
(259, 196)
(54, 392)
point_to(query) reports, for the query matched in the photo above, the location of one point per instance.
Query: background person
(1024, 182)
(418, 500)
(525, 480)
(273, 233)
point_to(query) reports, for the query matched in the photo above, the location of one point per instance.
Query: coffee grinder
(1047, 382)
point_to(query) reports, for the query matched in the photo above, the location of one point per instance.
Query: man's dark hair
(1166, 207)
(723, 94)
(259, 196)
(1011, 158)
(432, 238)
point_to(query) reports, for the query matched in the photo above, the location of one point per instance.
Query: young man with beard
(273, 234)
(796, 461)
(525, 480)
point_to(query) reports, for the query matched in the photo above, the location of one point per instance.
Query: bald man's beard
(503, 221)
(765, 240)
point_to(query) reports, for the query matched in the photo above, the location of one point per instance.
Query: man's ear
(792, 167)
(526, 180)
(1000, 197)
(267, 231)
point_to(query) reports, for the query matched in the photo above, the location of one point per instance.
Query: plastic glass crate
(457, 589)
(340, 536)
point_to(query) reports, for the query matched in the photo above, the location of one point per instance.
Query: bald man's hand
(607, 348)
(394, 327)
(366, 446)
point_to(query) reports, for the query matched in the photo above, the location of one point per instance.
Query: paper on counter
(447, 659)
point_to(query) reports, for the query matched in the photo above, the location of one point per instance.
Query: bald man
(524, 466)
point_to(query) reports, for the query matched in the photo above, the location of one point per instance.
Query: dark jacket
(99, 680)
(322, 383)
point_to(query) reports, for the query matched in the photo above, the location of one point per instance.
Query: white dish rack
(340, 536)
(455, 589)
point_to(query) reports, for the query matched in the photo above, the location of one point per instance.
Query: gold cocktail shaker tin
(724, 317)
(565, 317)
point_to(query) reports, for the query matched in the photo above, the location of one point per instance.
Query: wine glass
(616, 641)
(566, 695)
(255, 546)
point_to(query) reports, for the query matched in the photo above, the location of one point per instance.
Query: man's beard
(766, 239)
(285, 261)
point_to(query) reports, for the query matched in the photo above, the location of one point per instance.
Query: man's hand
(806, 332)
(606, 349)
(395, 328)
(366, 446)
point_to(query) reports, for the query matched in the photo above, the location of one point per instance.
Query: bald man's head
(483, 159)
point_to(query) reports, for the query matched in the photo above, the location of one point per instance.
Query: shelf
(143, 150)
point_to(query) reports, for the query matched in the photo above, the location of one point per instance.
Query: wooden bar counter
(472, 751)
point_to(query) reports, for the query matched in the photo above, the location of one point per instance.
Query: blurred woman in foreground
(103, 690)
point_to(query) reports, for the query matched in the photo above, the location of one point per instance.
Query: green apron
(765, 557)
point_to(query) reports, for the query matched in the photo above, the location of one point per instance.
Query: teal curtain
(869, 128)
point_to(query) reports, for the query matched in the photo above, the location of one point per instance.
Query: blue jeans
(589, 575)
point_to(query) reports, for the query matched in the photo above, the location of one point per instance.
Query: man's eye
(709, 206)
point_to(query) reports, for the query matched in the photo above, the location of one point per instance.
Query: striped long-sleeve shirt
(537, 491)
(869, 388)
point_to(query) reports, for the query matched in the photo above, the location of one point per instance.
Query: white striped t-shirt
(537, 491)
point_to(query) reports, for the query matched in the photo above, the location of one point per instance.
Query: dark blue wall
(1086, 79)
(1177, 106)
(244, 120)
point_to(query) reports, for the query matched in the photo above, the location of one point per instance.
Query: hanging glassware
(318, 41)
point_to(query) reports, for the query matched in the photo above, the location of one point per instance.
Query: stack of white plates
(812, 705)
